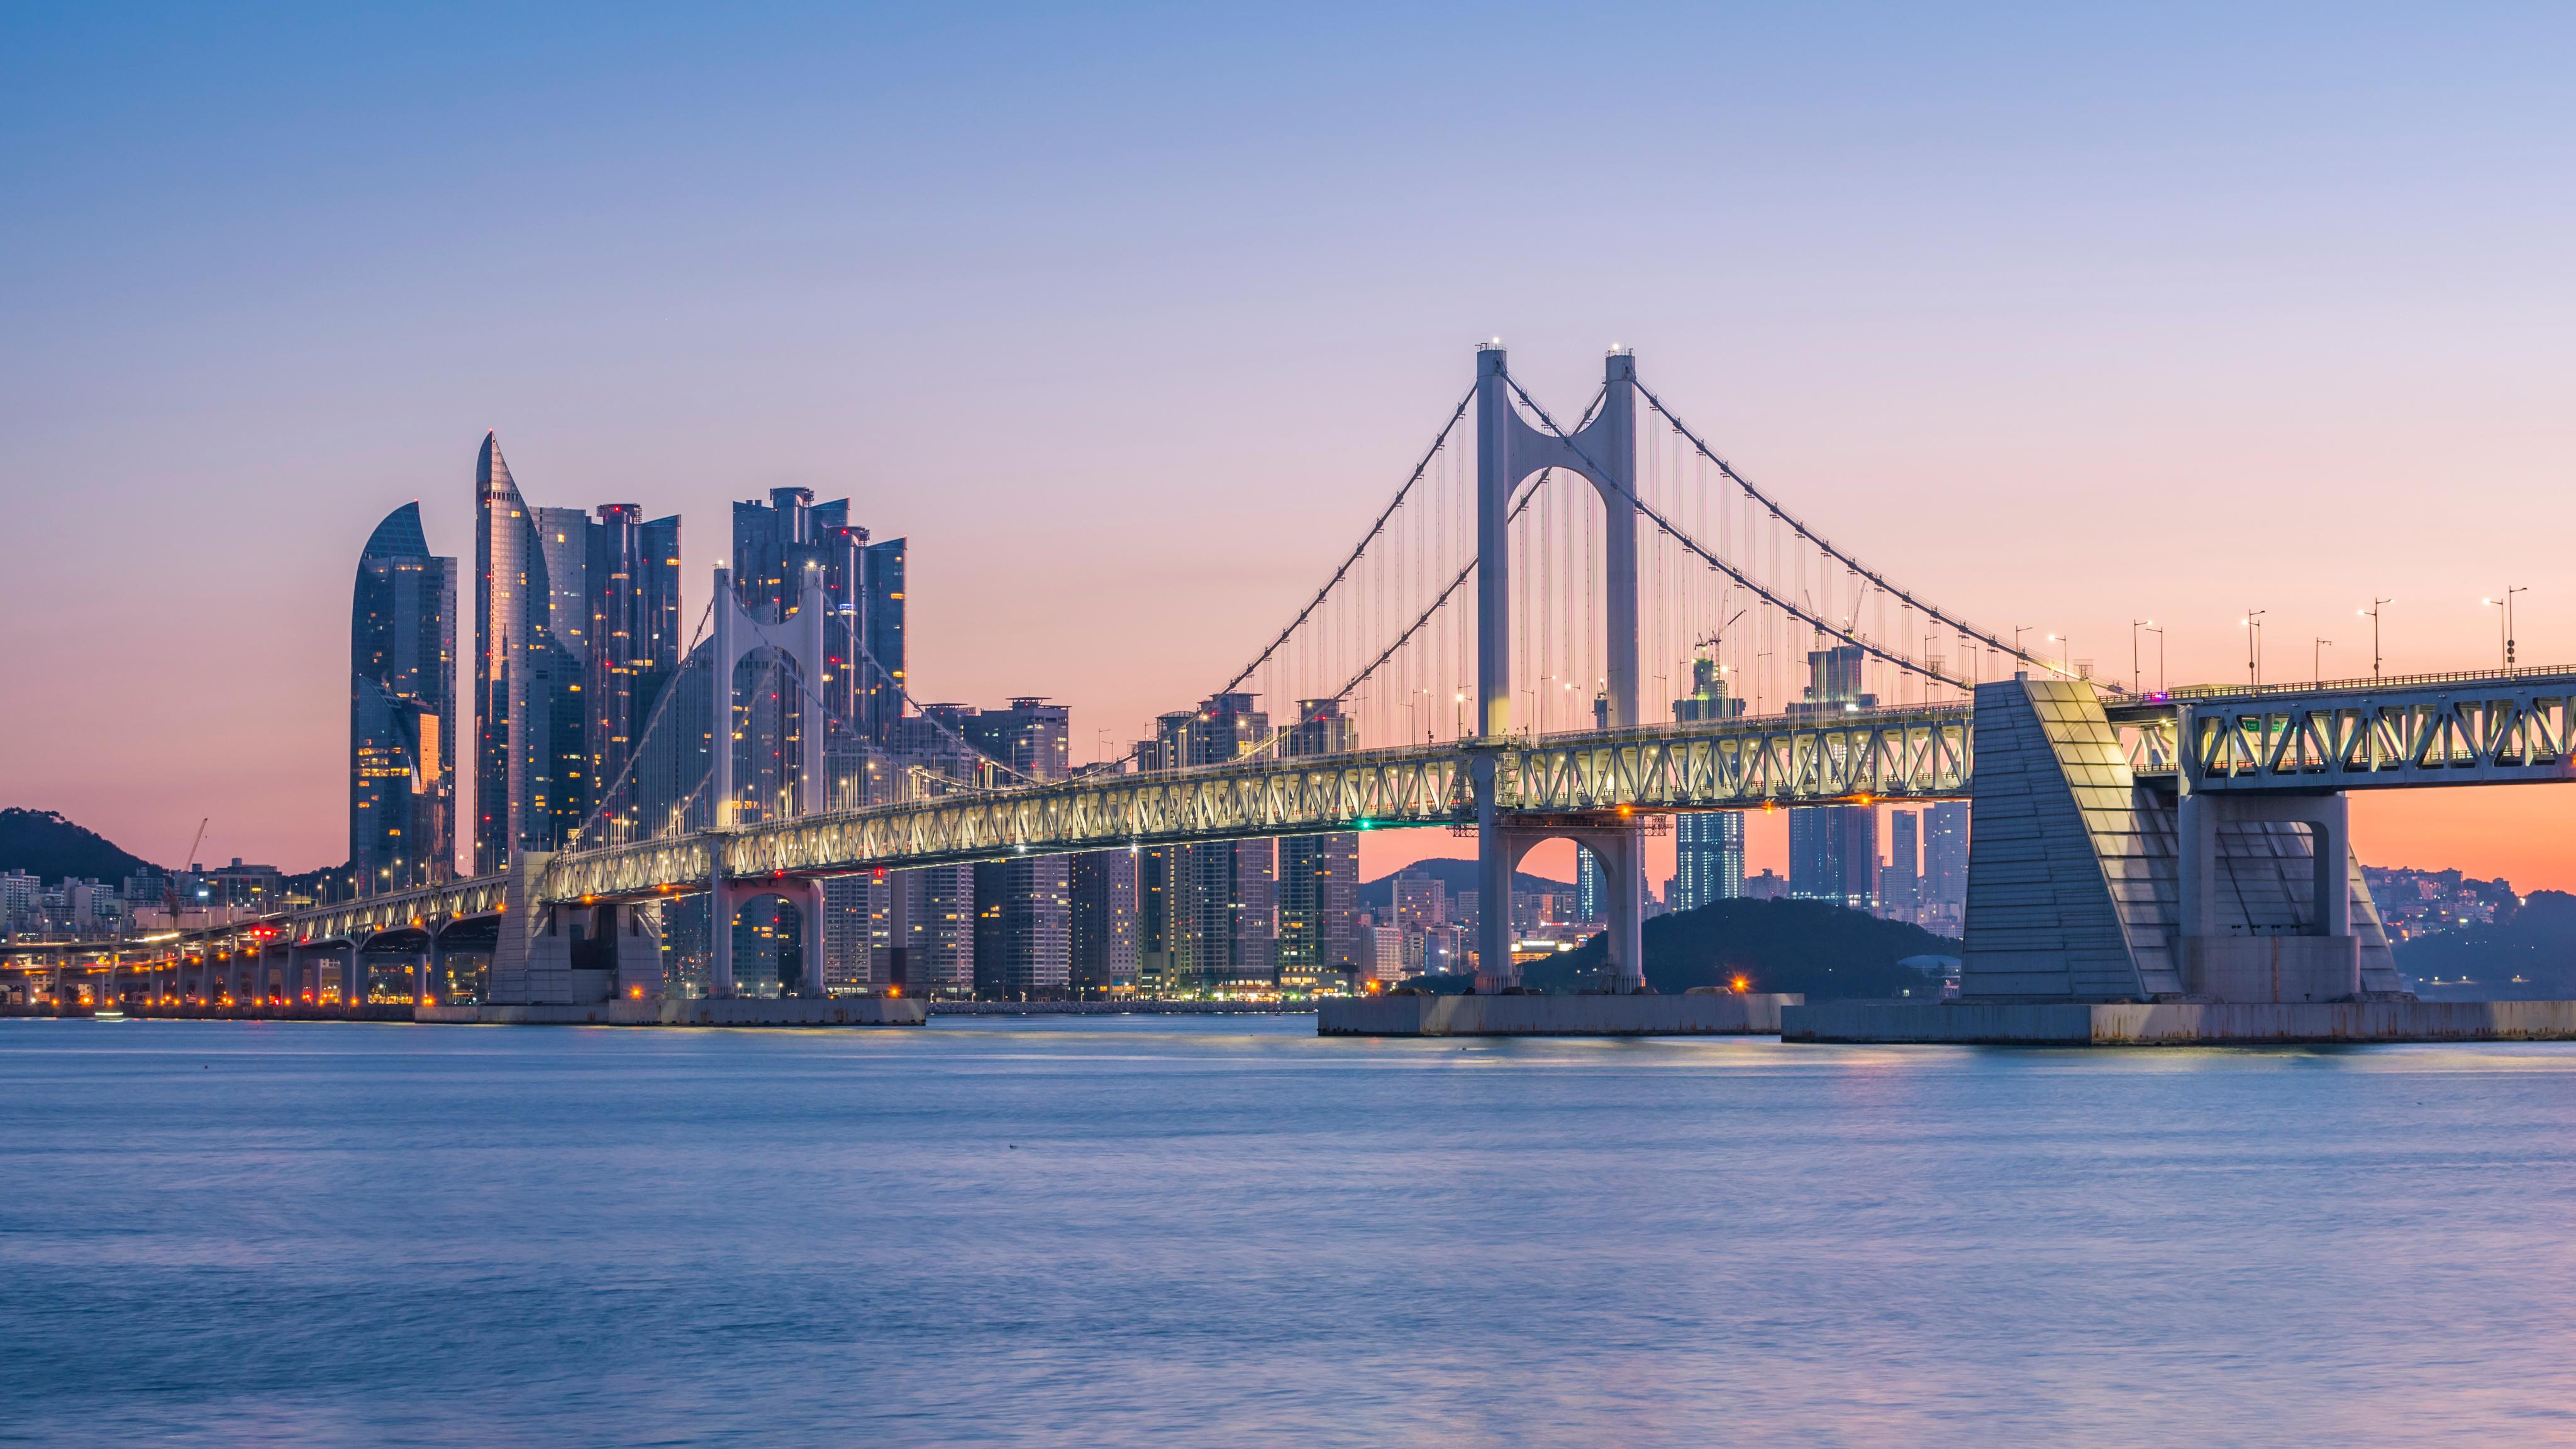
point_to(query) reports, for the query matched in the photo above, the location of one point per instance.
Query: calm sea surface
(1193, 1231)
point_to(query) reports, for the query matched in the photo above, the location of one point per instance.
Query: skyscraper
(576, 636)
(1208, 912)
(520, 672)
(1900, 883)
(863, 642)
(1104, 921)
(402, 710)
(1945, 865)
(1023, 906)
(633, 577)
(1708, 848)
(1833, 849)
(925, 934)
(1318, 874)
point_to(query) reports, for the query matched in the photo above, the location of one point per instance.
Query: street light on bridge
(2504, 620)
(2372, 613)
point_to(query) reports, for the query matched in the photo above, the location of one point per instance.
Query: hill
(1823, 950)
(1458, 875)
(44, 844)
(2536, 943)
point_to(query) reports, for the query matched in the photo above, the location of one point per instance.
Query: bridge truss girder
(431, 908)
(2490, 732)
(1905, 754)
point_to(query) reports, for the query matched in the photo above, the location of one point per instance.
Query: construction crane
(170, 885)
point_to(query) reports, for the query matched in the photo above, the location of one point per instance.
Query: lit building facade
(1708, 846)
(1319, 874)
(1944, 892)
(631, 647)
(1023, 906)
(1208, 914)
(576, 635)
(1104, 922)
(402, 710)
(1833, 849)
(863, 645)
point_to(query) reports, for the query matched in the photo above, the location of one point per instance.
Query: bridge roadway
(2415, 731)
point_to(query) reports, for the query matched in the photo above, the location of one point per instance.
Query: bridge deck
(2426, 730)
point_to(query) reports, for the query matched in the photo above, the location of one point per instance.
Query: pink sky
(1129, 324)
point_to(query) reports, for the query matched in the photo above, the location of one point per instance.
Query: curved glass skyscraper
(402, 710)
(576, 634)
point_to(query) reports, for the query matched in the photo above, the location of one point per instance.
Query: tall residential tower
(402, 710)
(576, 632)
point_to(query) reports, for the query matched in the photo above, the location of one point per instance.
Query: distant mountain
(1458, 875)
(2480, 963)
(1822, 950)
(44, 844)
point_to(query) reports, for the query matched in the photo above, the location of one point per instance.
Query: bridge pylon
(1508, 450)
(798, 636)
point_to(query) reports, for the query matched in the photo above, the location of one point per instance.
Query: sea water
(1226, 1231)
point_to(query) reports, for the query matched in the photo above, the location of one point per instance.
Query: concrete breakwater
(1116, 1008)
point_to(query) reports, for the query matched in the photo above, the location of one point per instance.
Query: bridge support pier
(2087, 884)
(1620, 851)
(728, 899)
(2320, 963)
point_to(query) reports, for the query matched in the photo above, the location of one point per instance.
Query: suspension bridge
(1487, 651)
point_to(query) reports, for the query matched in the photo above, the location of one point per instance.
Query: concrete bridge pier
(2323, 963)
(729, 897)
(1619, 850)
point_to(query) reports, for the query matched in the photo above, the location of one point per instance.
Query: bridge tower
(798, 636)
(1508, 450)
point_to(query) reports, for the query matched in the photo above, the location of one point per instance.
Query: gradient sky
(1128, 317)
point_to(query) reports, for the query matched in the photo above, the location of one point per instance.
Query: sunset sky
(1128, 317)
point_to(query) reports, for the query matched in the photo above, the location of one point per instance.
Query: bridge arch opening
(1615, 851)
(769, 954)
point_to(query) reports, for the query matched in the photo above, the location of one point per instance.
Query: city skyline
(2105, 373)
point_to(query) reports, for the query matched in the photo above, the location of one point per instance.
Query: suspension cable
(1809, 617)
(1365, 539)
(1803, 531)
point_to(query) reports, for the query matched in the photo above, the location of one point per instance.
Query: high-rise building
(1945, 865)
(631, 572)
(1708, 847)
(1421, 901)
(1589, 903)
(1208, 911)
(1023, 906)
(1833, 849)
(521, 674)
(1318, 874)
(576, 634)
(402, 710)
(1104, 921)
(1900, 881)
(863, 644)
(924, 918)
